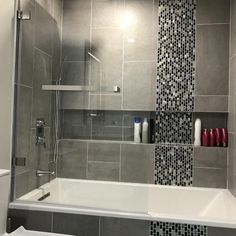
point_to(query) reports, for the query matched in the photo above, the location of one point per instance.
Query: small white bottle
(197, 133)
(137, 130)
(145, 131)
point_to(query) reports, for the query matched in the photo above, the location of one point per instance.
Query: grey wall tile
(213, 231)
(107, 45)
(232, 81)
(75, 73)
(233, 28)
(76, 125)
(107, 125)
(76, 42)
(123, 227)
(74, 100)
(111, 102)
(43, 27)
(213, 11)
(231, 161)
(104, 151)
(30, 220)
(210, 157)
(140, 36)
(72, 160)
(23, 124)
(42, 76)
(46, 5)
(27, 45)
(80, 225)
(212, 59)
(103, 171)
(209, 177)
(137, 163)
(107, 13)
(211, 103)
(139, 86)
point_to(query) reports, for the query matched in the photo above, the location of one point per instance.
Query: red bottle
(218, 135)
(205, 138)
(212, 138)
(224, 137)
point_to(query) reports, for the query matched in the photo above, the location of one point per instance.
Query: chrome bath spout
(40, 173)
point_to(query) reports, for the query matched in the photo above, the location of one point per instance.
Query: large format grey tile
(107, 13)
(30, 220)
(107, 45)
(80, 225)
(211, 103)
(104, 151)
(76, 125)
(46, 5)
(41, 98)
(233, 28)
(27, 45)
(231, 162)
(212, 61)
(72, 159)
(210, 157)
(23, 118)
(209, 177)
(74, 100)
(213, 231)
(110, 102)
(43, 27)
(141, 32)
(108, 171)
(75, 73)
(123, 227)
(213, 11)
(139, 87)
(76, 30)
(137, 163)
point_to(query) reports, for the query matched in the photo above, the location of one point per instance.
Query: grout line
(105, 162)
(209, 24)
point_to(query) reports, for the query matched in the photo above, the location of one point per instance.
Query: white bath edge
(185, 205)
(73, 210)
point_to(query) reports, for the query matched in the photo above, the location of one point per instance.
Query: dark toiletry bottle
(205, 138)
(152, 131)
(224, 137)
(212, 138)
(218, 135)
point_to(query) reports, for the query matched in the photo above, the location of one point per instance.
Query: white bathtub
(212, 207)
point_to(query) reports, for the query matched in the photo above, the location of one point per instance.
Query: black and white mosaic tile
(174, 127)
(174, 165)
(172, 229)
(176, 55)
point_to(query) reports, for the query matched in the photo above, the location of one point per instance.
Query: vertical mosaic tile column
(175, 104)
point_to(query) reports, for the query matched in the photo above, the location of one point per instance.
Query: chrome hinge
(23, 15)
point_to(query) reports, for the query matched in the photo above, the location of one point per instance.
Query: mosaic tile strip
(174, 165)
(176, 55)
(172, 229)
(174, 127)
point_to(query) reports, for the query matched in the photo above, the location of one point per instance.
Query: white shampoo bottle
(137, 130)
(197, 133)
(145, 131)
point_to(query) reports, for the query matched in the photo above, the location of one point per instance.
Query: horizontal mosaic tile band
(174, 165)
(176, 55)
(174, 127)
(172, 229)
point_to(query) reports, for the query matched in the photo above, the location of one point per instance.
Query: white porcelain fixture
(204, 206)
(4, 198)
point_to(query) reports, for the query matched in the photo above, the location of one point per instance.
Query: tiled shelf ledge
(106, 141)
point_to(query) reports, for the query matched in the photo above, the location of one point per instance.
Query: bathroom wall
(39, 54)
(232, 99)
(211, 88)
(7, 25)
